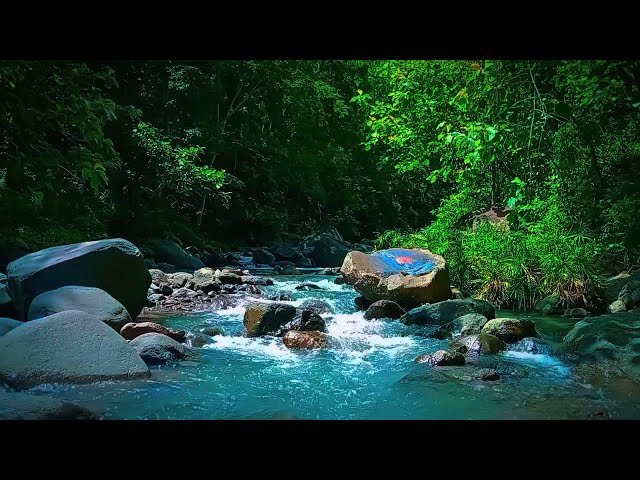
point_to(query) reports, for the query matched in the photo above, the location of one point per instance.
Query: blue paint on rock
(396, 260)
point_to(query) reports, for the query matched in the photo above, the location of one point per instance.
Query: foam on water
(540, 359)
(255, 347)
(326, 285)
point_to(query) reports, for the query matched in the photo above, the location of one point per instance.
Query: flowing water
(369, 373)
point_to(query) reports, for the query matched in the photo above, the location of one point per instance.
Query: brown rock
(133, 330)
(305, 340)
(442, 358)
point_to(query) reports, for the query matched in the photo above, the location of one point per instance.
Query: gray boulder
(264, 257)
(158, 349)
(510, 330)
(23, 406)
(444, 312)
(115, 266)
(67, 347)
(167, 251)
(384, 309)
(93, 301)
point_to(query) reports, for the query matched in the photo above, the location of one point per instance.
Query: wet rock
(67, 347)
(468, 324)
(533, 345)
(266, 318)
(3, 279)
(409, 277)
(327, 249)
(441, 358)
(304, 263)
(227, 278)
(228, 288)
(286, 253)
(339, 281)
(330, 271)
(158, 277)
(551, 305)
(305, 340)
(184, 292)
(306, 321)
(133, 330)
(96, 302)
(255, 280)
(212, 331)
(8, 324)
(617, 306)
(576, 313)
(289, 270)
(181, 279)
(115, 266)
(476, 344)
(362, 303)
(264, 257)
(384, 309)
(23, 406)
(614, 285)
(489, 375)
(158, 349)
(510, 330)
(280, 297)
(442, 313)
(316, 306)
(308, 286)
(197, 339)
(157, 298)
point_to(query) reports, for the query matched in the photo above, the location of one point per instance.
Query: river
(369, 373)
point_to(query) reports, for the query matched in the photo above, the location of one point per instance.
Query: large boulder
(8, 324)
(551, 305)
(289, 254)
(264, 257)
(384, 309)
(316, 306)
(327, 251)
(96, 302)
(115, 266)
(23, 406)
(306, 321)
(67, 347)
(267, 318)
(167, 251)
(441, 358)
(510, 330)
(613, 285)
(134, 330)
(158, 349)
(408, 277)
(442, 313)
(477, 344)
(468, 324)
(305, 340)
(609, 340)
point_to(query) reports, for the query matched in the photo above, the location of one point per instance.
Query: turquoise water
(368, 374)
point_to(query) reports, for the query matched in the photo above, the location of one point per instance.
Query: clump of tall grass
(513, 267)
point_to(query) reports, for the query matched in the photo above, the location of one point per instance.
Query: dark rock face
(316, 306)
(23, 406)
(266, 318)
(67, 347)
(327, 249)
(96, 302)
(551, 305)
(286, 253)
(7, 307)
(409, 277)
(115, 266)
(304, 263)
(255, 280)
(307, 321)
(630, 294)
(280, 297)
(305, 340)
(510, 330)
(477, 344)
(614, 285)
(133, 330)
(489, 375)
(444, 312)
(308, 286)
(167, 251)
(441, 358)
(609, 340)
(158, 349)
(264, 257)
(362, 303)
(212, 331)
(384, 309)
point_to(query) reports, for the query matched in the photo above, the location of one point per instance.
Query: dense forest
(235, 154)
